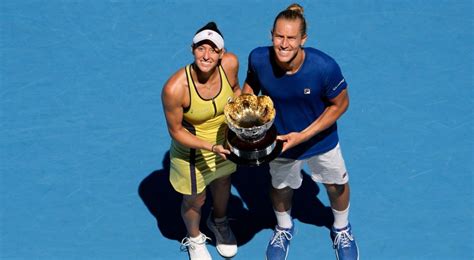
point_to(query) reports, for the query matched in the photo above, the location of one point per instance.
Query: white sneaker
(226, 244)
(196, 247)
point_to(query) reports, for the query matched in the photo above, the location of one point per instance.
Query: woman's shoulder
(230, 57)
(229, 61)
(176, 83)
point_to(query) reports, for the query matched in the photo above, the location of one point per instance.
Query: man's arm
(247, 89)
(331, 114)
(250, 85)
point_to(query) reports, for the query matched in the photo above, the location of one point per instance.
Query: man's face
(287, 39)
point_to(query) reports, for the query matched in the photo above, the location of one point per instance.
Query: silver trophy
(252, 135)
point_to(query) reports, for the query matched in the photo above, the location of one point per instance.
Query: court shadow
(307, 208)
(253, 185)
(249, 211)
(164, 203)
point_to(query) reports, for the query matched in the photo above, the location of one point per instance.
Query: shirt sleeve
(252, 78)
(335, 81)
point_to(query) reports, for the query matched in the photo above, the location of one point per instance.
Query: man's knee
(335, 189)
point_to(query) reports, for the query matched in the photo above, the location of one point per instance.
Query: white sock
(341, 218)
(284, 219)
(196, 239)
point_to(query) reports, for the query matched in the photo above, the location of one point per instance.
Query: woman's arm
(230, 63)
(174, 96)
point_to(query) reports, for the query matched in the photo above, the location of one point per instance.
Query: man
(309, 94)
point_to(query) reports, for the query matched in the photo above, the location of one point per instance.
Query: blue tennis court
(84, 144)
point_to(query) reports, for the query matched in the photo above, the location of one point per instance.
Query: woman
(193, 101)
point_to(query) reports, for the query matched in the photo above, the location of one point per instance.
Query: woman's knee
(282, 193)
(194, 201)
(222, 181)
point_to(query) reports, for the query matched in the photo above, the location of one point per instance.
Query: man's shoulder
(319, 54)
(260, 51)
(322, 59)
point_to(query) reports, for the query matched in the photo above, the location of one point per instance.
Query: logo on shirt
(342, 81)
(307, 91)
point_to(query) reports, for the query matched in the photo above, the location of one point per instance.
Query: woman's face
(206, 56)
(287, 39)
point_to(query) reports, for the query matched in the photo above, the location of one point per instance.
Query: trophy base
(253, 153)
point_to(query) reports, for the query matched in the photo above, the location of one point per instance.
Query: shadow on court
(249, 211)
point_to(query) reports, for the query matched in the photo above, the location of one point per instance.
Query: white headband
(210, 35)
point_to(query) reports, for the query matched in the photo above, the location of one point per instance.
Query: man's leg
(329, 168)
(286, 176)
(339, 198)
(282, 202)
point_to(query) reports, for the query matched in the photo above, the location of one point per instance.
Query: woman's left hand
(220, 150)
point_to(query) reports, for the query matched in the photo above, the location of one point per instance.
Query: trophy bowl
(252, 136)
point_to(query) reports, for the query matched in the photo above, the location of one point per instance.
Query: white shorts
(328, 168)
